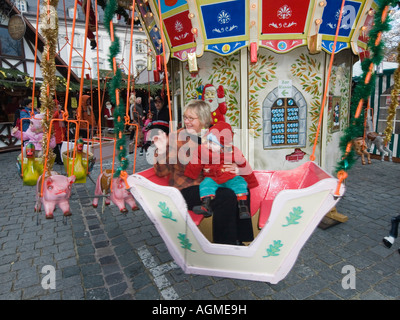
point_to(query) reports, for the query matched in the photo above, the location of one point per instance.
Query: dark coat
(161, 120)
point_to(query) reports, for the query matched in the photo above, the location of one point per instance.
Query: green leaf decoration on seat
(273, 250)
(167, 213)
(185, 242)
(293, 216)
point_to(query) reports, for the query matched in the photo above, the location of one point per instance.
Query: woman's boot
(243, 210)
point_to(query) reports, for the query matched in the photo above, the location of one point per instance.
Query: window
(99, 40)
(140, 66)
(61, 40)
(21, 5)
(71, 13)
(77, 66)
(285, 119)
(140, 47)
(101, 64)
(284, 122)
(386, 100)
(77, 41)
(9, 46)
(94, 67)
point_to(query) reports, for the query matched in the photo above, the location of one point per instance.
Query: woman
(136, 116)
(88, 115)
(171, 157)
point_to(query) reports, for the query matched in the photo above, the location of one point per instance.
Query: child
(146, 133)
(34, 134)
(216, 151)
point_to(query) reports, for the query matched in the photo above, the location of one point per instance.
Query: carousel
(281, 74)
(285, 68)
(273, 60)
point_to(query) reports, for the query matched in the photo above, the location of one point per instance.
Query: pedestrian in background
(161, 117)
(59, 132)
(25, 113)
(87, 114)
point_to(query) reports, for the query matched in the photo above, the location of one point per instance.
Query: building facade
(18, 71)
(94, 58)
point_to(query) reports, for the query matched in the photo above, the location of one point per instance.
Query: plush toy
(34, 134)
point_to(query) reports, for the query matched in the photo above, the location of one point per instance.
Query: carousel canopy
(223, 27)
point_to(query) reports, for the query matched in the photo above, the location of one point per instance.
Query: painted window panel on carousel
(284, 18)
(179, 29)
(225, 19)
(330, 18)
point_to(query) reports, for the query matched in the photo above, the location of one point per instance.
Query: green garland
(120, 10)
(113, 85)
(363, 90)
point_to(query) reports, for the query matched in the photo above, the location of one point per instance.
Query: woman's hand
(14, 130)
(233, 168)
(161, 142)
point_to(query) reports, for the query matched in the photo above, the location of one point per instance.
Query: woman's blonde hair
(202, 110)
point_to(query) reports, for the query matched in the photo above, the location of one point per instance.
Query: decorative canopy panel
(288, 19)
(152, 27)
(225, 26)
(361, 44)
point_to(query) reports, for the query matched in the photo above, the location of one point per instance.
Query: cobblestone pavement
(107, 255)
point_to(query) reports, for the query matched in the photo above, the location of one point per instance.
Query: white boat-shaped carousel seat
(287, 206)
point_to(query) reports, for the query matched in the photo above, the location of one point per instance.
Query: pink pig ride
(118, 193)
(56, 191)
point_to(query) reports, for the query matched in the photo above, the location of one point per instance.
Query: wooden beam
(332, 218)
(333, 214)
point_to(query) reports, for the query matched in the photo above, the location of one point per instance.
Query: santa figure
(216, 99)
(108, 115)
